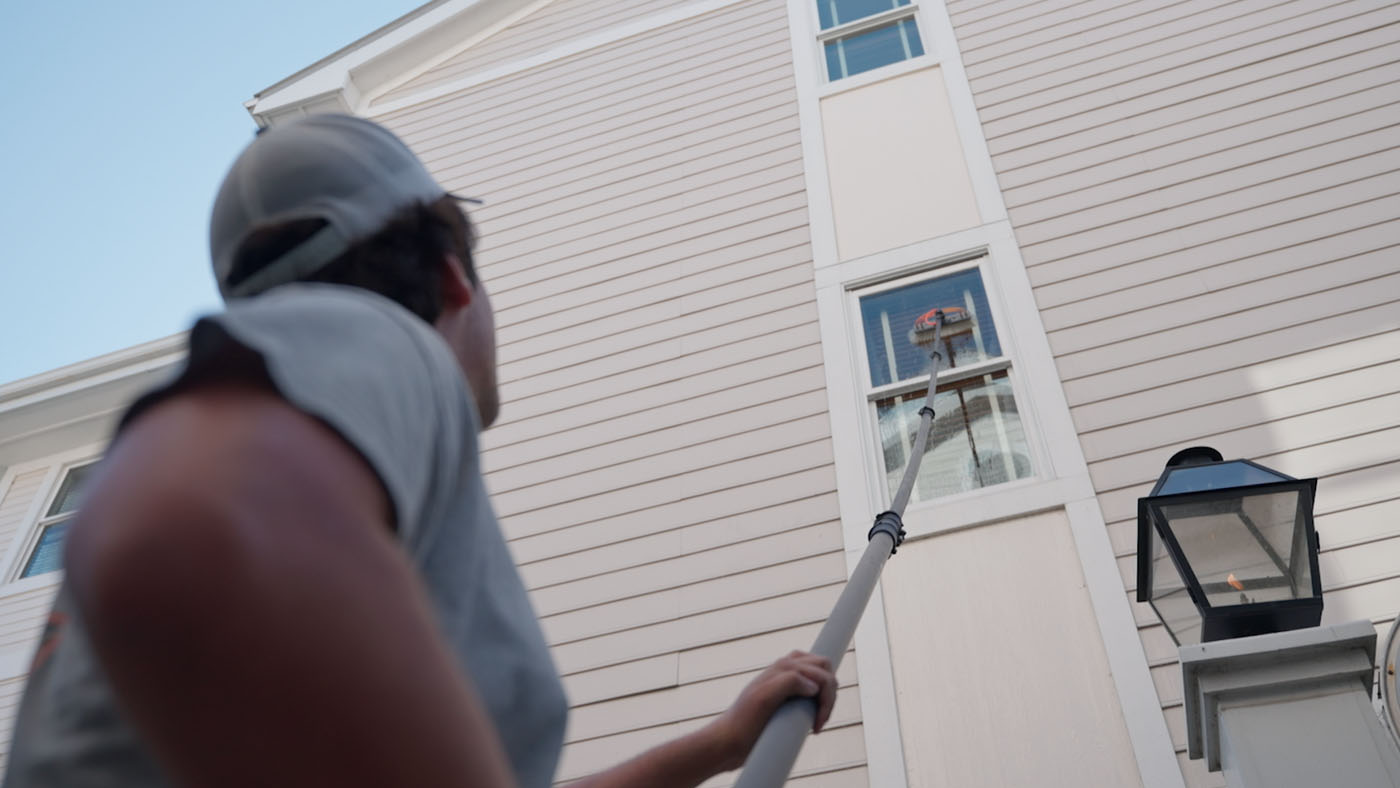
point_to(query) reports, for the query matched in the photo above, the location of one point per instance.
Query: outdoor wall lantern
(1228, 549)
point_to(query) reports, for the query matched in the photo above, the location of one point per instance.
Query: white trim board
(576, 46)
(343, 76)
(1061, 474)
(391, 83)
(884, 748)
(352, 79)
(92, 372)
(1137, 695)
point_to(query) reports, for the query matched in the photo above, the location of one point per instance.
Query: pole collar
(890, 523)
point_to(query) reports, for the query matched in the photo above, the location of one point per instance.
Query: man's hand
(724, 744)
(798, 674)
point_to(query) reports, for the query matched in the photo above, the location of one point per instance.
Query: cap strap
(304, 259)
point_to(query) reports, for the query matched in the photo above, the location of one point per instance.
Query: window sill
(1003, 502)
(27, 584)
(877, 75)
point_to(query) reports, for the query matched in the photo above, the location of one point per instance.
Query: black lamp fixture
(1228, 549)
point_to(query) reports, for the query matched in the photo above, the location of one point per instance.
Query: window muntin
(834, 13)
(860, 35)
(977, 439)
(47, 553)
(870, 49)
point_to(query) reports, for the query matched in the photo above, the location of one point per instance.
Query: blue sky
(121, 120)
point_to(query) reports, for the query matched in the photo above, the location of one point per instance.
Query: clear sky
(120, 120)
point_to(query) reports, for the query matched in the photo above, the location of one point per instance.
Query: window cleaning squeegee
(773, 754)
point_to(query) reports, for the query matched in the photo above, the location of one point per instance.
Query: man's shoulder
(354, 328)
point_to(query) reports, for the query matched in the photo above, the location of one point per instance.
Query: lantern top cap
(1201, 468)
(1196, 455)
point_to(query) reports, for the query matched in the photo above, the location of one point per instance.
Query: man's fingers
(824, 680)
(804, 658)
(797, 682)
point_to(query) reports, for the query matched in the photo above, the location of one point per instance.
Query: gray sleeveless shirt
(388, 384)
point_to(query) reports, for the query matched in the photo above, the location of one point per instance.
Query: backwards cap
(354, 174)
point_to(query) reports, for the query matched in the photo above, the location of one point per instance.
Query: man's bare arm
(725, 743)
(236, 570)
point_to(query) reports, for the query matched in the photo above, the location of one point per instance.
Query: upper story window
(47, 553)
(860, 35)
(977, 439)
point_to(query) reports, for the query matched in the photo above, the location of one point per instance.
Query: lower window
(977, 439)
(47, 554)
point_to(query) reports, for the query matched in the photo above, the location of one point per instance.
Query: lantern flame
(1234, 582)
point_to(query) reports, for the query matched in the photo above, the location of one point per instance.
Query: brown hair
(400, 262)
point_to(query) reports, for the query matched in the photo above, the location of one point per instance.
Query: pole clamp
(890, 523)
(928, 410)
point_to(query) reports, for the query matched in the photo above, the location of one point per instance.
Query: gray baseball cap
(351, 172)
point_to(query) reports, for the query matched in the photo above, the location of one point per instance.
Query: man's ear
(457, 289)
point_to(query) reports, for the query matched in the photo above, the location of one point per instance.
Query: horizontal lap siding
(1205, 197)
(11, 690)
(663, 466)
(15, 503)
(21, 615)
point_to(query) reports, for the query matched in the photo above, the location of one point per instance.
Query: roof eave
(345, 80)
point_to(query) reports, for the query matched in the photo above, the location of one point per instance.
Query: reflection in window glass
(888, 319)
(976, 440)
(48, 555)
(870, 49)
(839, 12)
(70, 493)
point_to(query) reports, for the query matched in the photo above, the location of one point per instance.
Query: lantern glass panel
(1170, 597)
(1244, 549)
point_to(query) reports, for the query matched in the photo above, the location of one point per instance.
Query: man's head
(339, 199)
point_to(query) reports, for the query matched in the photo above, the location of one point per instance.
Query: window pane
(839, 12)
(888, 319)
(48, 555)
(861, 52)
(70, 493)
(976, 439)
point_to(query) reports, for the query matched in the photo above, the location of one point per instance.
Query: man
(288, 571)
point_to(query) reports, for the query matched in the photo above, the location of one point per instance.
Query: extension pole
(773, 754)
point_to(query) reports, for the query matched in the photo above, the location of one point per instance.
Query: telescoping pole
(773, 754)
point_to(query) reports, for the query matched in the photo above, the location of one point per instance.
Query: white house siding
(15, 503)
(663, 465)
(10, 691)
(551, 23)
(21, 614)
(1205, 198)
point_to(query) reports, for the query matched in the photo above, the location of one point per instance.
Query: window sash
(868, 22)
(57, 515)
(987, 454)
(37, 551)
(68, 496)
(949, 372)
(954, 375)
(1001, 365)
